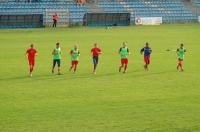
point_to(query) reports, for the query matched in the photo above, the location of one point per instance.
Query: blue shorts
(56, 61)
(95, 60)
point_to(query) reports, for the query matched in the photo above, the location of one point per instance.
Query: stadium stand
(171, 11)
(197, 3)
(13, 7)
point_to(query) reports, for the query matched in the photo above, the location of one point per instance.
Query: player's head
(31, 45)
(181, 45)
(57, 45)
(124, 44)
(95, 45)
(75, 47)
(147, 44)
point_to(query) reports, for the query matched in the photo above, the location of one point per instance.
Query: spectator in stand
(81, 2)
(29, 1)
(55, 19)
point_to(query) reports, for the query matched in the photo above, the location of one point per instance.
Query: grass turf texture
(160, 100)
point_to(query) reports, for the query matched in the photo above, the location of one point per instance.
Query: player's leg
(179, 63)
(72, 65)
(29, 62)
(147, 63)
(32, 66)
(94, 64)
(146, 66)
(53, 66)
(30, 69)
(75, 65)
(122, 65)
(94, 68)
(95, 61)
(126, 65)
(177, 67)
(55, 23)
(58, 63)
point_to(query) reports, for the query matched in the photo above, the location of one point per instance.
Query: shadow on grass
(71, 76)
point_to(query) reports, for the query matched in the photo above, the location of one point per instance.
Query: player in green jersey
(75, 53)
(181, 54)
(56, 57)
(124, 52)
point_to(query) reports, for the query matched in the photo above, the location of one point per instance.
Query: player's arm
(36, 53)
(142, 50)
(150, 51)
(79, 53)
(177, 51)
(100, 52)
(128, 51)
(91, 52)
(71, 52)
(53, 52)
(119, 50)
(26, 52)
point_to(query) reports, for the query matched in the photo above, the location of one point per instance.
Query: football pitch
(159, 100)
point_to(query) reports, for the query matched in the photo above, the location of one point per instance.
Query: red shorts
(74, 62)
(31, 62)
(147, 60)
(180, 60)
(124, 61)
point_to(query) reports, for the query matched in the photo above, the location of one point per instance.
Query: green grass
(160, 100)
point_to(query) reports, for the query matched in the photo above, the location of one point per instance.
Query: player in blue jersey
(147, 52)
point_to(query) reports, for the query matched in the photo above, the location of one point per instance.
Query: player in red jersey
(95, 56)
(31, 53)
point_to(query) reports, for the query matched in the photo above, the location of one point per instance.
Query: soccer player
(31, 53)
(147, 52)
(95, 56)
(75, 53)
(56, 58)
(124, 52)
(181, 54)
(55, 19)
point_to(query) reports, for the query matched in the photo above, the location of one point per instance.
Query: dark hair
(31, 45)
(57, 43)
